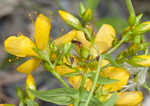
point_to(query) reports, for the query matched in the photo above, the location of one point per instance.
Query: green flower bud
(84, 52)
(66, 48)
(142, 28)
(70, 19)
(87, 15)
(140, 60)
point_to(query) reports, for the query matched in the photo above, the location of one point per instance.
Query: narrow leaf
(60, 96)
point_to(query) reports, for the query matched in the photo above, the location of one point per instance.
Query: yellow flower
(119, 74)
(103, 39)
(22, 46)
(132, 98)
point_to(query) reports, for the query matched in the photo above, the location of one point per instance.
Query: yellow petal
(20, 46)
(42, 30)
(65, 38)
(75, 81)
(132, 98)
(28, 66)
(105, 37)
(115, 73)
(62, 69)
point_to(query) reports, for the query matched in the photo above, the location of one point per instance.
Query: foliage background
(18, 16)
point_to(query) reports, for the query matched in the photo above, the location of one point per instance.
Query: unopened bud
(140, 60)
(30, 84)
(66, 48)
(84, 52)
(132, 20)
(142, 28)
(87, 15)
(70, 19)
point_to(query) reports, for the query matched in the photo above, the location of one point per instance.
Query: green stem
(83, 82)
(115, 47)
(95, 81)
(130, 7)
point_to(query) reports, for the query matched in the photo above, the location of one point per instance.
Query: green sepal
(82, 9)
(138, 18)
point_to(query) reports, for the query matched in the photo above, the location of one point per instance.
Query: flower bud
(70, 19)
(132, 20)
(30, 84)
(140, 60)
(66, 48)
(142, 28)
(87, 15)
(84, 52)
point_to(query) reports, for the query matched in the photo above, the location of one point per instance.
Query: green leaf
(111, 101)
(92, 3)
(104, 80)
(118, 23)
(29, 102)
(60, 96)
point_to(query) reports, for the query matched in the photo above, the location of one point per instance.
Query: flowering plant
(85, 59)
